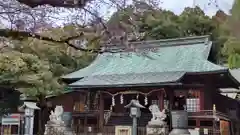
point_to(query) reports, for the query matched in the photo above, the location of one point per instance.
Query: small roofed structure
(30, 105)
(134, 103)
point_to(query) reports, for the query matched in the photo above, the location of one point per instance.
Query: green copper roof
(172, 55)
(119, 80)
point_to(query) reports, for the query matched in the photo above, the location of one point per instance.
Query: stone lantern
(135, 112)
(29, 108)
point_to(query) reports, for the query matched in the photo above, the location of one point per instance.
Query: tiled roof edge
(208, 50)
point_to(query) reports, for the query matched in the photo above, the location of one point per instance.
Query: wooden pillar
(198, 123)
(170, 94)
(85, 124)
(101, 113)
(202, 99)
(161, 100)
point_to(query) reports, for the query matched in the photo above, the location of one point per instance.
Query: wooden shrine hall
(175, 74)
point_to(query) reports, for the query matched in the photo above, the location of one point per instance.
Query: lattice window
(193, 104)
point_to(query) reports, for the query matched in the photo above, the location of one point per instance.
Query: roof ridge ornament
(207, 41)
(118, 47)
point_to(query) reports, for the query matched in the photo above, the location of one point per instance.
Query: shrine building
(175, 74)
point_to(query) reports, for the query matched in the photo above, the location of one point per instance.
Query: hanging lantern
(113, 101)
(121, 99)
(146, 100)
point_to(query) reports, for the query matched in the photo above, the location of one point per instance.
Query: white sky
(177, 6)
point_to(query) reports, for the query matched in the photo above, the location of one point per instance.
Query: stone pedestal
(179, 132)
(157, 125)
(57, 129)
(56, 126)
(179, 123)
(157, 130)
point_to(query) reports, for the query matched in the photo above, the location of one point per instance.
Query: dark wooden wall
(225, 104)
(66, 100)
(208, 98)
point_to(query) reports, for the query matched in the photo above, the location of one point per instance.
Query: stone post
(179, 123)
(135, 112)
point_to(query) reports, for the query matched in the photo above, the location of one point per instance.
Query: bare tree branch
(56, 3)
(14, 34)
(99, 19)
(110, 33)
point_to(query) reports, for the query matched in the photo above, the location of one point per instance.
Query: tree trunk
(41, 119)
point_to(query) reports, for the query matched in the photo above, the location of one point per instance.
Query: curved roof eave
(235, 74)
(199, 46)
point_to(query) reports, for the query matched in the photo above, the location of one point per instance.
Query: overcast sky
(177, 6)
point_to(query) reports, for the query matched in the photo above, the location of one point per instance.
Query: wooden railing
(191, 114)
(207, 113)
(86, 113)
(110, 130)
(210, 131)
(107, 113)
